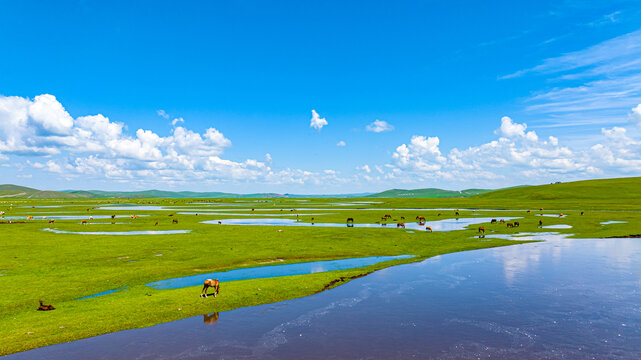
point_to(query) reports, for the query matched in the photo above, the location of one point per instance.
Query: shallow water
(558, 226)
(613, 222)
(565, 298)
(148, 232)
(68, 217)
(274, 271)
(440, 225)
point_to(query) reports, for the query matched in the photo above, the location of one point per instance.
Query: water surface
(148, 232)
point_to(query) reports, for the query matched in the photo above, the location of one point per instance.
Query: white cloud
(379, 126)
(511, 129)
(341, 143)
(162, 113)
(177, 120)
(317, 122)
(636, 114)
(268, 158)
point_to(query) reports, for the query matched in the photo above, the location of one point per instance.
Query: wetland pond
(440, 225)
(562, 298)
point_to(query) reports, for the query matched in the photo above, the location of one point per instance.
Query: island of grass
(60, 268)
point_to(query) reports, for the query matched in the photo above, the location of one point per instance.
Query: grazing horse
(428, 228)
(540, 222)
(350, 220)
(174, 221)
(581, 213)
(510, 225)
(113, 217)
(493, 221)
(84, 222)
(170, 215)
(44, 307)
(420, 218)
(400, 225)
(388, 216)
(51, 221)
(482, 229)
(456, 213)
(29, 217)
(214, 283)
(516, 224)
(528, 211)
(561, 215)
(220, 222)
(439, 214)
(384, 218)
(502, 221)
(156, 223)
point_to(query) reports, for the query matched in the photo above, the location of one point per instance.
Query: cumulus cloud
(379, 126)
(317, 122)
(341, 143)
(635, 115)
(177, 120)
(510, 129)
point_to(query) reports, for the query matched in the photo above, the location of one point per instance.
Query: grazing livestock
(174, 221)
(456, 213)
(482, 229)
(84, 222)
(220, 222)
(384, 218)
(51, 221)
(170, 215)
(510, 225)
(420, 218)
(493, 221)
(528, 211)
(213, 283)
(561, 215)
(44, 307)
(540, 223)
(400, 225)
(502, 221)
(29, 217)
(156, 223)
(581, 213)
(350, 220)
(402, 217)
(439, 214)
(516, 224)
(113, 217)
(428, 228)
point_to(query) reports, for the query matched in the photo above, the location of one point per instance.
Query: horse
(384, 218)
(84, 222)
(113, 217)
(402, 217)
(214, 283)
(400, 225)
(456, 213)
(51, 221)
(428, 228)
(439, 214)
(493, 221)
(510, 225)
(581, 213)
(419, 218)
(350, 220)
(388, 216)
(502, 221)
(170, 215)
(156, 223)
(528, 211)
(220, 222)
(561, 215)
(540, 222)
(44, 307)
(516, 224)
(482, 229)
(174, 221)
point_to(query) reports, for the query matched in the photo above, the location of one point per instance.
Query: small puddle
(274, 271)
(613, 222)
(559, 226)
(440, 225)
(149, 232)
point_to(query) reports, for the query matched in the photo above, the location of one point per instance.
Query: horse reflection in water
(210, 319)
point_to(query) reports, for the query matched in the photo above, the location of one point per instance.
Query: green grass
(59, 268)
(428, 193)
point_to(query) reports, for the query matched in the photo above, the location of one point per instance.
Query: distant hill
(625, 189)
(8, 191)
(165, 194)
(428, 193)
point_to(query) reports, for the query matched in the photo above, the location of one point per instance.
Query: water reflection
(210, 319)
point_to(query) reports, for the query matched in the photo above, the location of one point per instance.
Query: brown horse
(400, 225)
(428, 228)
(493, 221)
(44, 307)
(156, 223)
(516, 224)
(510, 225)
(51, 221)
(214, 283)
(174, 221)
(420, 218)
(84, 222)
(540, 222)
(482, 229)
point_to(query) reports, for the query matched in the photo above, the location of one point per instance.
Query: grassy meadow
(59, 268)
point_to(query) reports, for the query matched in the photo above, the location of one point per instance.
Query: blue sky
(466, 94)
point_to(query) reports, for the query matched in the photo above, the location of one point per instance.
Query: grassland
(60, 268)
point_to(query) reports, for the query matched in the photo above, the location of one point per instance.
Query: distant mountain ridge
(22, 192)
(428, 193)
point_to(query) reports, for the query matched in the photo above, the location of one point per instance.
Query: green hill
(626, 190)
(8, 191)
(428, 193)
